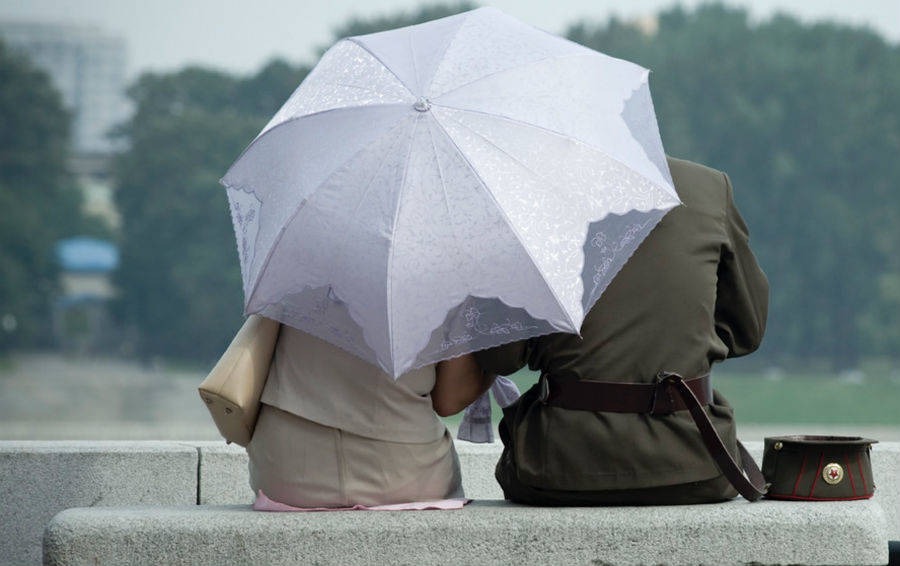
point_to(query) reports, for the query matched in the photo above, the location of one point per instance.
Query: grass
(872, 399)
(827, 399)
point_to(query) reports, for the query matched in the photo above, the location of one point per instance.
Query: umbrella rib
(515, 120)
(447, 206)
(383, 64)
(293, 119)
(362, 197)
(412, 57)
(508, 154)
(357, 87)
(515, 233)
(441, 175)
(390, 306)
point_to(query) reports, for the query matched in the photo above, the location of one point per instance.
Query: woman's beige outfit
(335, 431)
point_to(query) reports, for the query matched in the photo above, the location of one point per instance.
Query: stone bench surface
(484, 532)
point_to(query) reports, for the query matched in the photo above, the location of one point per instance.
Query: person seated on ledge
(690, 296)
(336, 431)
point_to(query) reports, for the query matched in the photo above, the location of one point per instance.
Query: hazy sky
(240, 35)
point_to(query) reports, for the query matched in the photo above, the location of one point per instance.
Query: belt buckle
(664, 381)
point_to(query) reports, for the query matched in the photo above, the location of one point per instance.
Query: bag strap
(749, 481)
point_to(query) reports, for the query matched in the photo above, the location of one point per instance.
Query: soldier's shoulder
(689, 176)
(683, 167)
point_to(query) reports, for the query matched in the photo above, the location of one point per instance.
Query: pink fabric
(263, 503)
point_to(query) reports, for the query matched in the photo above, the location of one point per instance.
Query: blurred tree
(805, 121)
(37, 196)
(179, 276)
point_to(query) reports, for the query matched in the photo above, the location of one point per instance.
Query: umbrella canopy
(447, 187)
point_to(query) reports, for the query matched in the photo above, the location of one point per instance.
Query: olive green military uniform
(692, 295)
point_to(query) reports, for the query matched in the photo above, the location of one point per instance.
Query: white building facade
(87, 66)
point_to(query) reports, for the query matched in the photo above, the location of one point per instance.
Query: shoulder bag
(233, 388)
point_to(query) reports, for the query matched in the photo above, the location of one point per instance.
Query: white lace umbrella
(447, 187)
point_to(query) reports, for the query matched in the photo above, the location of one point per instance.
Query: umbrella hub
(423, 104)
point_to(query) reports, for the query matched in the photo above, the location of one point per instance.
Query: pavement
(54, 397)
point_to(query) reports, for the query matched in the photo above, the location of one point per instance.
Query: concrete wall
(40, 479)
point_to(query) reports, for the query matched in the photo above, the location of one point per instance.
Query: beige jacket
(320, 382)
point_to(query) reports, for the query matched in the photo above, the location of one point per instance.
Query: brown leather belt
(669, 393)
(615, 397)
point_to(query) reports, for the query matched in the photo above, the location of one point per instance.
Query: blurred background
(119, 278)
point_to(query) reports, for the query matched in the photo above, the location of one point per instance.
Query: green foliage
(37, 197)
(805, 119)
(179, 277)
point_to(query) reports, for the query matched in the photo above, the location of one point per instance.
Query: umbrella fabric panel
(245, 207)
(588, 109)
(489, 43)
(319, 311)
(452, 242)
(477, 321)
(286, 166)
(436, 57)
(413, 53)
(347, 75)
(610, 242)
(640, 117)
(341, 238)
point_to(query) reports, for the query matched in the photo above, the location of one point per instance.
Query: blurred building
(81, 318)
(88, 67)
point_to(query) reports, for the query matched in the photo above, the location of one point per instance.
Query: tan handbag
(233, 388)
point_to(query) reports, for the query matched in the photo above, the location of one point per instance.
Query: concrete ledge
(886, 472)
(485, 532)
(223, 475)
(39, 479)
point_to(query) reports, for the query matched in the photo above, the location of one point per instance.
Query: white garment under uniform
(337, 431)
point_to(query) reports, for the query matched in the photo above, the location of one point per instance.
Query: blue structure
(82, 321)
(87, 255)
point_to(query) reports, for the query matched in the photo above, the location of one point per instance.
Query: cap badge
(833, 473)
